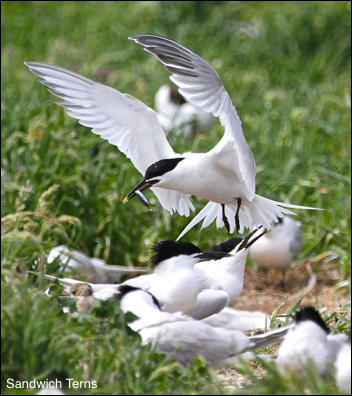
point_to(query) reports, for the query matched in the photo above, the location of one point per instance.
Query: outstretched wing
(199, 83)
(119, 118)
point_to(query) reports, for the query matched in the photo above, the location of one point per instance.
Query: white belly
(202, 179)
(270, 253)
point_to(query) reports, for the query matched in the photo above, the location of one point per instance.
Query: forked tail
(261, 211)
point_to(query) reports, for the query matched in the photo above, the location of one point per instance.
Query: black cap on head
(310, 313)
(161, 167)
(167, 249)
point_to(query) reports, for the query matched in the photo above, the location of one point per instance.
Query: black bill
(137, 191)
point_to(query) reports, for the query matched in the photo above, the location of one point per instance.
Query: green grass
(286, 66)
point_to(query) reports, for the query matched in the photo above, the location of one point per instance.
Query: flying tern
(225, 175)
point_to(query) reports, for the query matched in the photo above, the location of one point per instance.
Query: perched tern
(95, 269)
(280, 246)
(225, 175)
(183, 338)
(177, 115)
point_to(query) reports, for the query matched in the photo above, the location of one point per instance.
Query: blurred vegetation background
(286, 66)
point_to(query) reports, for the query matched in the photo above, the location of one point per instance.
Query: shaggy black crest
(310, 313)
(125, 289)
(227, 246)
(167, 249)
(161, 167)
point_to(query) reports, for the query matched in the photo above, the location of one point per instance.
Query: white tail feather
(260, 212)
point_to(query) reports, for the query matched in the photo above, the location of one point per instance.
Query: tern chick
(84, 296)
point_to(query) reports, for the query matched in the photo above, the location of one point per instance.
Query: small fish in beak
(142, 198)
(137, 191)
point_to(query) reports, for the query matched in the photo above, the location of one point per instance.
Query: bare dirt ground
(264, 291)
(314, 279)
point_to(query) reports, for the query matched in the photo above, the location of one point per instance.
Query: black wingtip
(310, 313)
(166, 249)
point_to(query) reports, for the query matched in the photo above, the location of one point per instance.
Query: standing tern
(280, 246)
(225, 175)
(183, 338)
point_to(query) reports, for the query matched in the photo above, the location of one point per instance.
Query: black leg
(224, 218)
(237, 218)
